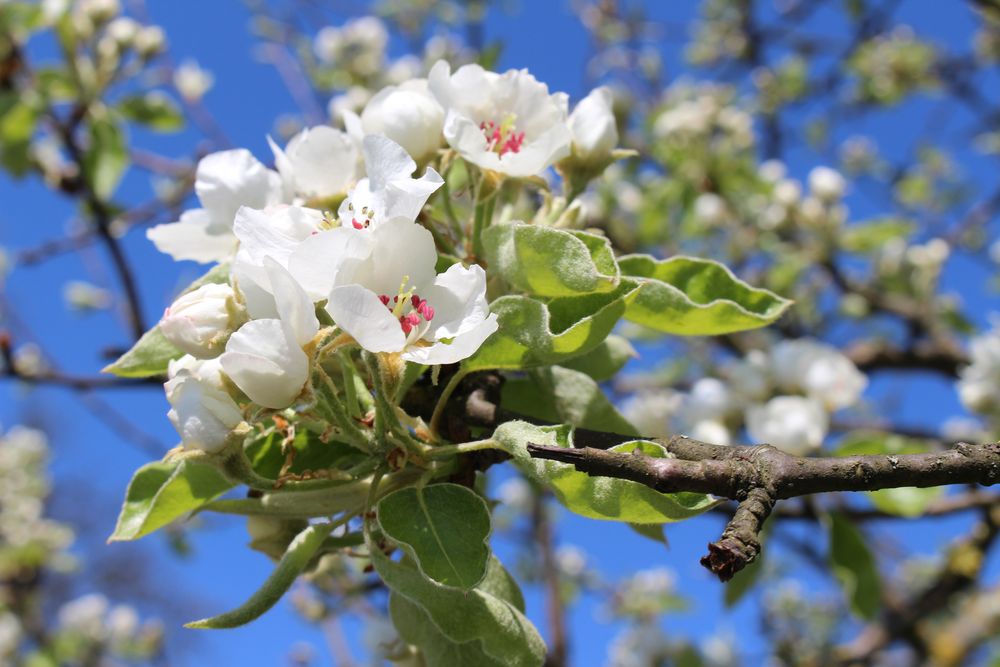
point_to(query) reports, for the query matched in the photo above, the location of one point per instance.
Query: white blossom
(593, 126)
(199, 322)
(318, 162)
(651, 412)
(826, 184)
(192, 80)
(794, 424)
(710, 209)
(224, 182)
(979, 382)
(387, 192)
(507, 123)
(818, 370)
(408, 114)
(264, 358)
(201, 411)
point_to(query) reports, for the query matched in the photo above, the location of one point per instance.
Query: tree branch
(759, 476)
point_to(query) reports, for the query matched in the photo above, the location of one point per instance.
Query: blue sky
(220, 572)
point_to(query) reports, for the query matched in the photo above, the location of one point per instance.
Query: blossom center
(361, 219)
(502, 137)
(412, 311)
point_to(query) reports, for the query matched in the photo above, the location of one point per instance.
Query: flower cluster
(303, 280)
(783, 397)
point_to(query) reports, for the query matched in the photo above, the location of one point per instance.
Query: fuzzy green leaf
(696, 297)
(444, 527)
(154, 110)
(597, 497)
(162, 492)
(854, 566)
(490, 628)
(416, 627)
(550, 262)
(300, 552)
(564, 396)
(604, 361)
(534, 334)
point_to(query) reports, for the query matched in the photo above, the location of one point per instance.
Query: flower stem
(445, 451)
(446, 393)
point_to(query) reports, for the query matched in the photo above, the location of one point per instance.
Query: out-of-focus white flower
(955, 429)
(826, 184)
(380, 638)
(358, 45)
(86, 296)
(710, 209)
(709, 399)
(651, 412)
(749, 377)
(507, 123)
(318, 162)
(150, 41)
(264, 358)
(348, 103)
(122, 623)
(772, 171)
(29, 360)
(711, 431)
(516, 494)
(224, 182)
(794, 424)
(571, 560)
(818, 370)
(930, 255)
(84, 615)
(979, 382)
(408, 114)
(787, 192)
(192, 81)
(123, 30)
(10, 634)
(99, 11)
(201, 321)
(593, 127)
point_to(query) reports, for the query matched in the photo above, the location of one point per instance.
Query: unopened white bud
(201, 321)
(593, 126)
(192, 81)
(409, 115)
(203, 414)
(150, 41)
(123, 30)
(100, 11)
(826, 184)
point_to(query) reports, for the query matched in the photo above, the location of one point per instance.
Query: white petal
(462, 347)
(273, 232)
(324, 161)
(230, 179)
(385, 161)
(327, 259)
(284, 167)
(459, 300)
(265, 363)
(359, 312)
(402, 249)
(405, 197)
(190, 239)
(294, 305)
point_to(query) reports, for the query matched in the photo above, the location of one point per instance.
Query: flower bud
(150, 41)
(593, 126)
(201, 321)
(409, 115)
(192, 81)
(826, 184)
(100, 11)
(122, 30)
(202, 413)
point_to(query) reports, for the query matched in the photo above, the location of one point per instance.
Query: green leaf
(651, 531)
(106, 158)
(908, 501)
(564, 396)
(854, 566)
(604, 361)
(483, 621)
(550, 262)
(696, 297)
(291, 565)
(533, 334)
(597, 497)
(162, 492)
(416, 627)
(153, 352)
(18, 118)
(871, 235)
(444, 527)
(155, 110)
(149, 356)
